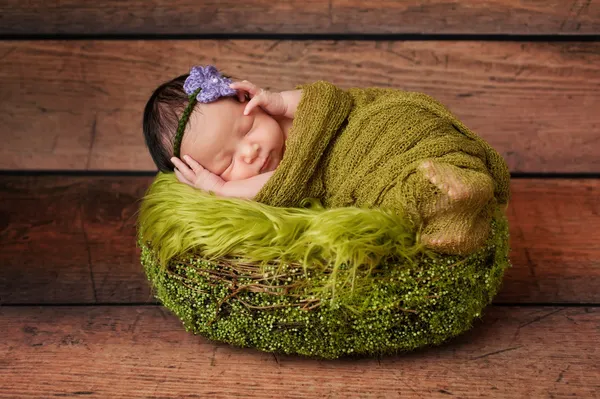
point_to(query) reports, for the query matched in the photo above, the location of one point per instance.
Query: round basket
(309, 281)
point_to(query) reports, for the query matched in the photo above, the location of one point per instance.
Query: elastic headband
(204, 85)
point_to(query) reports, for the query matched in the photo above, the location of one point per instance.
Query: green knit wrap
(362, 147)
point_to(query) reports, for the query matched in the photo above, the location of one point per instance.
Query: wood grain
(141, 352)
(78, 105)
(554, 236)
(72, 240)
(298, 17)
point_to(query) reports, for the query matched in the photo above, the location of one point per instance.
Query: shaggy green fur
(175, 218)
(405, 306)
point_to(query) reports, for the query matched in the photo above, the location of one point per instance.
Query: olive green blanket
(367, 148)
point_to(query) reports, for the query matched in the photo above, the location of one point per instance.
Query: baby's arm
(196, 176)
(291, 99)
(247, 188)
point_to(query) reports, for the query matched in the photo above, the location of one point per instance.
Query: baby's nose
(251, 153)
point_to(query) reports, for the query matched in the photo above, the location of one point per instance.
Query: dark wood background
(77, 315)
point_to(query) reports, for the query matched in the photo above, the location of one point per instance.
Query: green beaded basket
(273, 282)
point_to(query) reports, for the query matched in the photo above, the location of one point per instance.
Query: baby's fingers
(196, 167)
(249, 87)
(261, 98)
(185, 171)
(182, 179)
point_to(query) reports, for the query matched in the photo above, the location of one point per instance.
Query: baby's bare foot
(458, 185)
(446, 179)
(454, 226)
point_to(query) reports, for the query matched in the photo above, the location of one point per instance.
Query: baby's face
(233, 145)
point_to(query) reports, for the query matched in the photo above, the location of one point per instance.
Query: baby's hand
(196, 176)
(272, 103)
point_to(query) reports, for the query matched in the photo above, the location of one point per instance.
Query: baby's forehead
(213, 124)
(219, 113)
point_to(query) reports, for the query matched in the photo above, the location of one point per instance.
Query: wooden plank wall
(77, 316)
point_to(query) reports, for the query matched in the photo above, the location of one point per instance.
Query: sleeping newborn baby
(360, 147)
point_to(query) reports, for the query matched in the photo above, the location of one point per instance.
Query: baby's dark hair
(161, 116)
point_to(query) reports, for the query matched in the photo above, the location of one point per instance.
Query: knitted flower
(211, 83)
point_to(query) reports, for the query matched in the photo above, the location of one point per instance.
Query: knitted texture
(207, 84)
(370, 147)
(185, 116)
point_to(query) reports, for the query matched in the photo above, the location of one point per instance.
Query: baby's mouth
(265, 164)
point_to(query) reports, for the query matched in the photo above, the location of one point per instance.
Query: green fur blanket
(363, 147)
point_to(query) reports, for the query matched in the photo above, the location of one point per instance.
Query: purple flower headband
(205, 85)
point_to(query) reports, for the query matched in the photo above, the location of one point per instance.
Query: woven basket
(288, 306)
